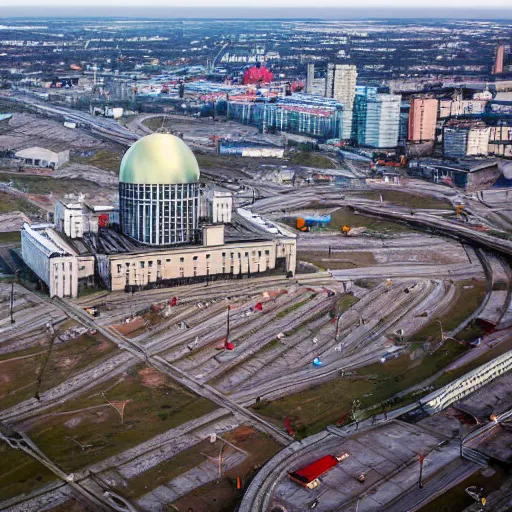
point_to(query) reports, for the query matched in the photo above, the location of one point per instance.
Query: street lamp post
(421, 458)
(12, 296)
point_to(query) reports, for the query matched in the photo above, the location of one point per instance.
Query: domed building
(166, 232)
(159, 191)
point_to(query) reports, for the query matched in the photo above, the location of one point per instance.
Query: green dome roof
(159, 159)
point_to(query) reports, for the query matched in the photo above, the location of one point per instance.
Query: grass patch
(10, 203)
(499, 234)
(346, 302)
(21, 369)
(312, 159)
(156, 404)
(224, 496)
(294, 306)
(20, 474)
(487, 356)
(102, 159)
(159, 122)
(10, 236)
(468, 297)
(346, 217)
(401, 198)
(313, 409)
(45, 184)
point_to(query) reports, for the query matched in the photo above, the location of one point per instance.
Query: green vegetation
(214, 161)
(499, 234)
(153, 404)
(346, 302)
(21, 369)
(346, 217)
(338, 260)
(313, 409)
(312, 159)
(294, 306)
(169, 469)
(400, 198)
(223, 496)
(9, 236)
(10, 203)
(487, 356)
(456, 498)
(35, 184)
(19, 473)
(158, 123)
(102, 159)
(468, 297)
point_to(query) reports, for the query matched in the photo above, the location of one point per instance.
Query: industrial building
(422, 119)
(470, 174)
(340, 84)
(465, 138)
(157, 238)
(376, 118)
(249, 149)
(41, 157)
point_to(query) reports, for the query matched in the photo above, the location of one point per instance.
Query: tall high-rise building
(340, 84)
(310, 77)
(376, 118)
(499, 60)
(422, 119)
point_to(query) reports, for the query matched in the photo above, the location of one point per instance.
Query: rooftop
(159, 159)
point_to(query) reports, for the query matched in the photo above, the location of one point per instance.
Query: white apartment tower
(340, 84)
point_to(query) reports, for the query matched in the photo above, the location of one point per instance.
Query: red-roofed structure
(308, 475)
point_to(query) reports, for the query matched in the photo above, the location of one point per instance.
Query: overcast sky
(261, 8)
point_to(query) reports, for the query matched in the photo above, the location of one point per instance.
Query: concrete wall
(63, 276)
(195, 261)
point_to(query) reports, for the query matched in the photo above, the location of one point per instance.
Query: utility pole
(12, 302)
(11, 307)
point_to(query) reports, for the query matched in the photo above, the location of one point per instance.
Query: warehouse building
(41, 157)
(157, 238)
(470, 174)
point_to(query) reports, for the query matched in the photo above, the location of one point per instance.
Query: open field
(346, 217)
(10, 203)
(102, 159)
(20, 370)
(310, 159)
(402, 198)
(313, 409)
(45, 185)
(223, 495)
(469, 296)
(10, 236)
(19, 473)
(337, 260)
(153, 404)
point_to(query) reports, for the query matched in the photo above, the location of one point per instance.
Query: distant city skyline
(328, 9)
